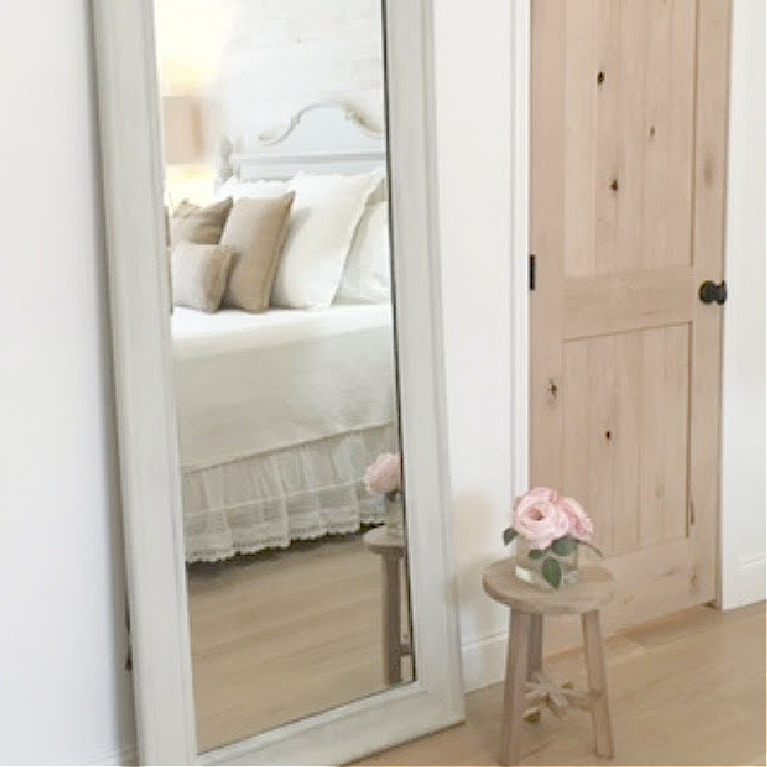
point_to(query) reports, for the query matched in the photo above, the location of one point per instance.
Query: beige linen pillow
(191, 223)
(198, 275)
(255, 230)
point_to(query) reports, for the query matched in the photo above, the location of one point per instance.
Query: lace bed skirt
(269, 500)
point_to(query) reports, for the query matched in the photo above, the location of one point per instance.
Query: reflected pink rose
(384, 475)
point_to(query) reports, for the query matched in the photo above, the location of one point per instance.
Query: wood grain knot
(552, 389)
(614, 185)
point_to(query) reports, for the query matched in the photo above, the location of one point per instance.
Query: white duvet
(248, 384)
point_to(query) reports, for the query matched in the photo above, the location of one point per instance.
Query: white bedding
(249, 384)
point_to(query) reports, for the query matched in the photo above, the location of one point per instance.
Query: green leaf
(535, 553)
(564, 546)
(552, 571)
(509, 534)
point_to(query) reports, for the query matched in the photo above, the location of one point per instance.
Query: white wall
(474, 112)
(265, 59)
(285, 55)
(64, 696)
(255, 63)
(743, 482)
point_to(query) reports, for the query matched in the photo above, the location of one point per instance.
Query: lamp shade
(183, 130)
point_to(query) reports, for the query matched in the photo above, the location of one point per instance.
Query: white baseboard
(750, 586)
(121, 757)
(484, 661)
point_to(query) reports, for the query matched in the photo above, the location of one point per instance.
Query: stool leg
(535, 650)
(392, 616)
(535, 659)
(597, 676)
(514, 687)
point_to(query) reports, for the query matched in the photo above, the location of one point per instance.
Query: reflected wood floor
(283, 634)
(688, 689)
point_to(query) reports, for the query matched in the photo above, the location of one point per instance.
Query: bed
(280, 412)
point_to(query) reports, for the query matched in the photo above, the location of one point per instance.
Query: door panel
(629, 104)
(625, 410)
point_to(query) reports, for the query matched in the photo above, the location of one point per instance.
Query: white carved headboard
(327, 136)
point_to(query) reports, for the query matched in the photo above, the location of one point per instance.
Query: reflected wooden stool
(526, 689)
(391, 548)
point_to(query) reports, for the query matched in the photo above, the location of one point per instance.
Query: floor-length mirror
(282, 327)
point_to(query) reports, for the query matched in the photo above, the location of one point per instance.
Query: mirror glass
(282, 324)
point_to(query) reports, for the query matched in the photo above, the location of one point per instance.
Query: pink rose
(384, 475)
(542, 493)
(539, 519)
(579, 524)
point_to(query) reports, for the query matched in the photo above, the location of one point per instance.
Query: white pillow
(237, 189)
(325, 214)
(367, 274)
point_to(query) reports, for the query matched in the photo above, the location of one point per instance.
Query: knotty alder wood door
(628, 151)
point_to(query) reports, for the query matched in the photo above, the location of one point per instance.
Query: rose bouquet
(552, 527)
(384, 477)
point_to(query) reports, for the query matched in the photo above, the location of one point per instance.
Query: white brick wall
(258, 61)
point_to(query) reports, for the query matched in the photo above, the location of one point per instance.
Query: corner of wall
(743, 499)
(484, 661)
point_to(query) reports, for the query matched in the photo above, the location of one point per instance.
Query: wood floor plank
(688, 689)
(284, 634)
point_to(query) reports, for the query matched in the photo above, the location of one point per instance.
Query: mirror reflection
(278, 248)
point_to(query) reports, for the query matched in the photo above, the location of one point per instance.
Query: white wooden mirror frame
(149, 465)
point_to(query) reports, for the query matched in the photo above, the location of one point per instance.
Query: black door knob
(710, 292)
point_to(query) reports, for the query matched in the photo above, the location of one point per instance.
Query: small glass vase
(394, 521)
(530, 568)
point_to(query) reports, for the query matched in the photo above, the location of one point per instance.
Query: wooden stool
(526, 688)
(391, 549)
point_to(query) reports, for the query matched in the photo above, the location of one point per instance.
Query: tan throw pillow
(255, 230)
(191, 223)
(198, 275)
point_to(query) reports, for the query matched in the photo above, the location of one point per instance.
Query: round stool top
(594, 588)
(382, 541)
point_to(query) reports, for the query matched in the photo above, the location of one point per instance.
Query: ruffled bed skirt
(269, 500)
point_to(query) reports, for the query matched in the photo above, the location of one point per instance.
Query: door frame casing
(130, 149)
(520, 244)
(520, 275)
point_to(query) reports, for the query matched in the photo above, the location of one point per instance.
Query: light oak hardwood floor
(280, 635)
(685, 690)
